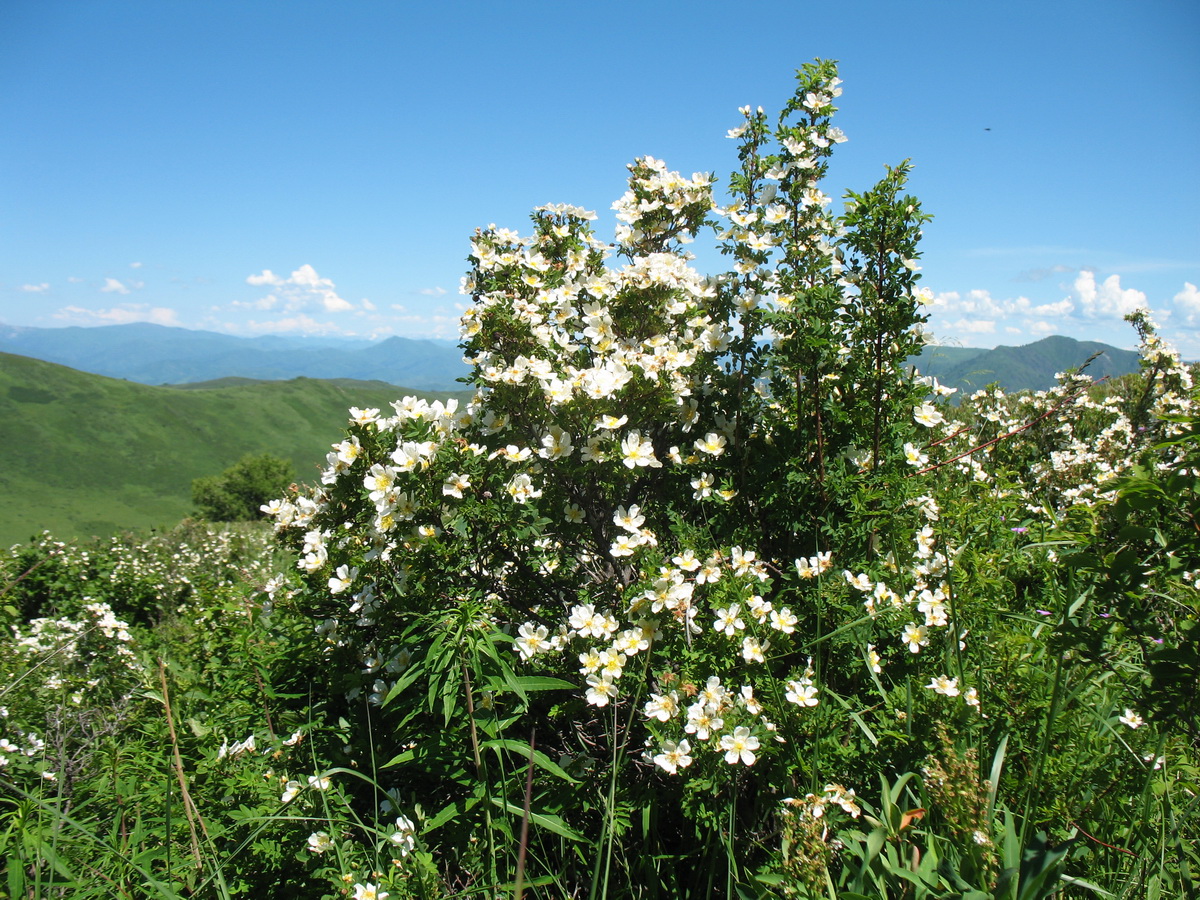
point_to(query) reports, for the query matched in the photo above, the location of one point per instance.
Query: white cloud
(112, 286)
(367, 304)
(1108, 299)
(304, 290)
(432, 292)
(118, 315)
(1063, 307)
(36, 288)
(1188, 298)
(982, 303)
(135, 265)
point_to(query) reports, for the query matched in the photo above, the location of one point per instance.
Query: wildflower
(1132, 719)
(927, 414)
(662, 706)
(784, 620)
(369, 891)
(630, 519)
(702, 721)
(728, 621)
(343, 579)
(913, 456)
(290, 791)
(319, 842)
(404, 835)
(752, 650)
(673, 757)
(318, 782)
(944, 685)
(637, 452)
(750, 701)
(915, 637)
(521, 489)
(875, 662)
(455, 485)
(703, 486)
(531, 639)
(600, 690)
(739, 746)
(802, 692)
(712, 443)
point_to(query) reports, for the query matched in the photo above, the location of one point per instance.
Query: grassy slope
(93, 455)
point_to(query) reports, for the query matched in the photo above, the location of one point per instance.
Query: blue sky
(183, 162)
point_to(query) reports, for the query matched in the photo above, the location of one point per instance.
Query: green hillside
(1030, 367)
(89, 455)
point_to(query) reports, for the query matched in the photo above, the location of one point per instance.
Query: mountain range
(156, 354)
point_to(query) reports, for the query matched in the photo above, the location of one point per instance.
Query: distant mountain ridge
(1031, 367)
(156, 354)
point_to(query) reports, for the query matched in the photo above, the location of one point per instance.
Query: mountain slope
(1030, 367)
(86, 454)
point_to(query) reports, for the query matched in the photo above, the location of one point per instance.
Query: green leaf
(525, 752)
(549, 821)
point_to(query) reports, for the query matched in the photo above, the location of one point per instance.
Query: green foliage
(237, 494)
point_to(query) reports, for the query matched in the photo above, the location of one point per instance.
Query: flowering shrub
(688, 536)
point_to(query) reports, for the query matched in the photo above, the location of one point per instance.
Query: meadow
(703, 593)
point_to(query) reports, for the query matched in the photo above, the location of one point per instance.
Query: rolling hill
(1031, 367)
(86, 454)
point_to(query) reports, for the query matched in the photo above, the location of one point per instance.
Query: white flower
(369, 891)
(914, 456)
(728, 622)
(531, 639)
(752, 650)
(944, 685)
(802, 692)
(631, 520)
(600, 690)
(638, 452)
(521, 489)
(739, 746)
(290, 791)
(877, 664)
(712, 443)
(1132, 719)
(915, 637)
(318, 782)
(784, 620)
(673, 757)
(455, 485)
(662, 706)
(927, 414)
(343, 579)
(319, 842)
(404, 835)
